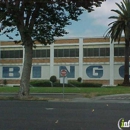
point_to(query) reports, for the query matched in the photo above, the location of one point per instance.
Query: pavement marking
(92, 110)
(56, 121)
(49, 109)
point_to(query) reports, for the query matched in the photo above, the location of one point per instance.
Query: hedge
(47, 83)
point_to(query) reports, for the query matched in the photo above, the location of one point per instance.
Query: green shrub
(4, 82)
(47, 83)
(79, 79)
(91, 85)
(53, 79)
(40, 83)
(78, 84)
(16, 86)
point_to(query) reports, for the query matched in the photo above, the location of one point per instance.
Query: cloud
(101, 14)
(93, 24)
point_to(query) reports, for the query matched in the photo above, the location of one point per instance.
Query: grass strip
(98, 91)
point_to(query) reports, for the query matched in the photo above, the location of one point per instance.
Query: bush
(78, 84)
(79, 79)
(40, 83)
(4, 82)
(53, 79)
(91, 85)
(47, 83)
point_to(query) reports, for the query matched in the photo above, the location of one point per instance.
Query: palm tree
(119, 26)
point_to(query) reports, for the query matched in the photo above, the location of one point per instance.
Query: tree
(38, 20)
(120, 25)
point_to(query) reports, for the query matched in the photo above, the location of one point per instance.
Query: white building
(94, 59)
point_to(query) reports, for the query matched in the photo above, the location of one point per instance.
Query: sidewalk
(118, 98)
(73, 97)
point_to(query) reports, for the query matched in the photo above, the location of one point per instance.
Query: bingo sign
(63, 73)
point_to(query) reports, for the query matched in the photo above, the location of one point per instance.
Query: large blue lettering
(94, 71)
(70, 71)
(36, 72)
(11, 72)
(121, 71)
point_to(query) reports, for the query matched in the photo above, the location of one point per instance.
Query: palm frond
(115, 31)
(127, 3)
(117, 27)
(118, 12)
(122, 7)
(113, 17)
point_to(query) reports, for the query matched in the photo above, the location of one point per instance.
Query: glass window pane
(66, 52)
(37, 53)
(121, 51)
(129, 51)
(55, 52)
(34, 55)
(44, 53)
(60, 53)
(96, 51)
(72, 53)
(77, 52)
(116, 51)
(16, 54)
(48, 53)
(90, 51)
(21, 54)
(3, 54)
(11, 54)
(107, 51)
(85, 52)
(102, 51)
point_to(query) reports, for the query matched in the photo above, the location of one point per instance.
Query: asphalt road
(41, 115)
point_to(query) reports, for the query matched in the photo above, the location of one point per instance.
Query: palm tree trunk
(126, 66)
(25, 78)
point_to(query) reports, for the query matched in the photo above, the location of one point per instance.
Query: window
(107, 51)
(90, 52)
(85, 52)
(47, 53)
(116, 52)
(74, 53)
(60, 52)
(119, 51)
(41, 53)
(66, 52)
(102, 52)
(96, 52)
(77, 52)
(56, 53)
(11, 54)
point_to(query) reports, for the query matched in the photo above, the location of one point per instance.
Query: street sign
(63, 73)
(65, 81)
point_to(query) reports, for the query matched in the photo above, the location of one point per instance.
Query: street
(42, 115)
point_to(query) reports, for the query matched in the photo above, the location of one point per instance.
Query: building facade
(96, 60)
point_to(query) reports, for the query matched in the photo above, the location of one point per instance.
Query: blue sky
(92, 24)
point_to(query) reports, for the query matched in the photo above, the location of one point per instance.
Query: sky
(93, 24)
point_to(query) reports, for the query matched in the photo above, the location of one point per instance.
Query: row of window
(96, 52)
(41, 53)
(66, 53)
(87, 52)
(119, 51)
(12, 54)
